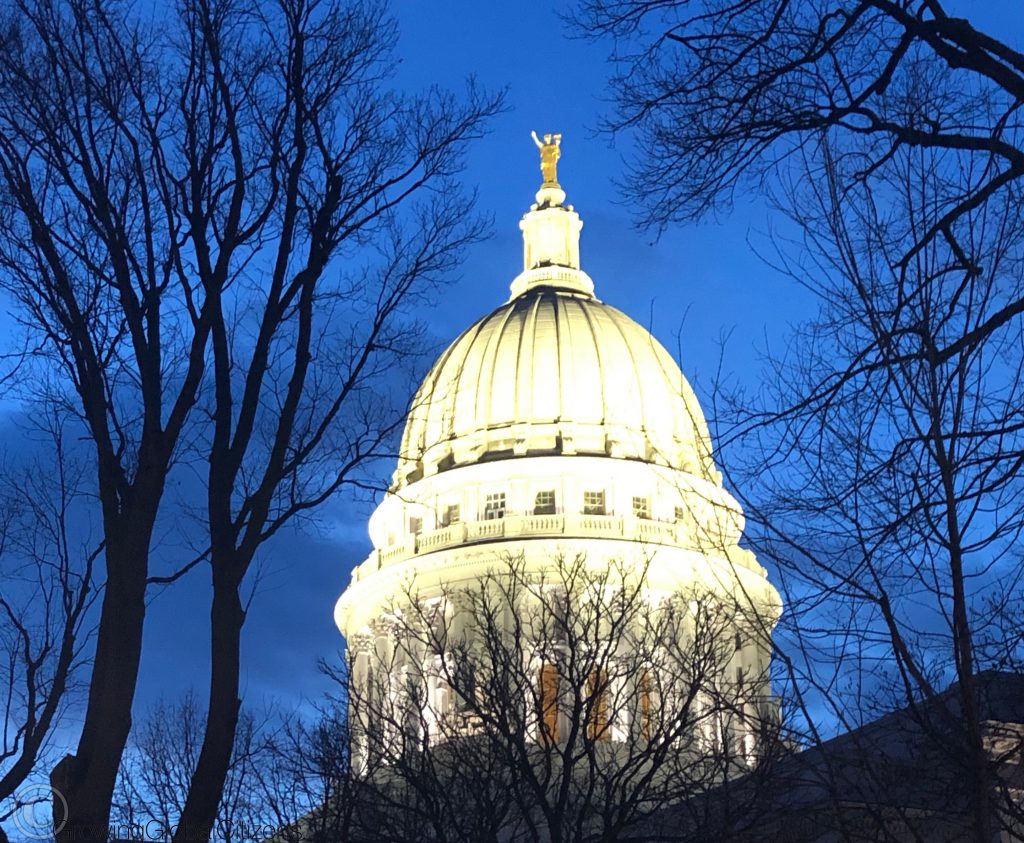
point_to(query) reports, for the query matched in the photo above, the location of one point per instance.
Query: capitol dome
(554, 448)
(555, 425)
(554, 371)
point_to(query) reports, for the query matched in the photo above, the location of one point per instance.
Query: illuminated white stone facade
(554, 426)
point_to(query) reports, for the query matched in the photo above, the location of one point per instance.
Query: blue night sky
(692, 286)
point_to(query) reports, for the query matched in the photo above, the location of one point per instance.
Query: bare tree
(885, 478)
(310, 789)
(46, 562)
(157, 771)
(298, 410)
(228, 208)
(567, 703)
(883, 459)
(290, 777)
(723, 92)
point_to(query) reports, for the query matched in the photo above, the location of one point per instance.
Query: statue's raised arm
(550, 152)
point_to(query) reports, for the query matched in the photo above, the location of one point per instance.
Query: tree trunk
(226, 620)
(86, 780)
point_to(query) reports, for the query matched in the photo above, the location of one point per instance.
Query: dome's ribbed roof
(554, 371)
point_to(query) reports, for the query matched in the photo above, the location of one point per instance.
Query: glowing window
(494, 506)
(549, 702)
(597, 712)
(641, 507)
(646, 689)
(544, 503)
(593, 503)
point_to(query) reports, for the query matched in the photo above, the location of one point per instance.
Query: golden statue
(549, 155)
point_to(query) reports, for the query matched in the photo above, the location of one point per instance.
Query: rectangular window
(451, 515)
(465, 686)
(544, 503)
(435, 614)
(680, 513)
(442, 698)
(494, 506)
(549, 702)
(593, 503)
(641, 507)
(597, 719)
(739, 640)
(646, 688)
(415, 525)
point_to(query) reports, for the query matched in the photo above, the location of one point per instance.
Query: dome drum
(668, 570)
(540, 498)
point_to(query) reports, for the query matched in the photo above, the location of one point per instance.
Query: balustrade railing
(525, 526)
